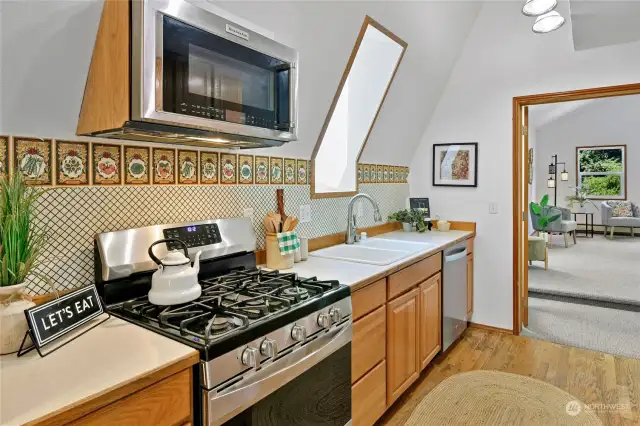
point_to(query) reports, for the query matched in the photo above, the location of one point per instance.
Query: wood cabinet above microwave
(163, 73)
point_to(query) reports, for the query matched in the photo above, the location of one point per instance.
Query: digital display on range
(193, 235)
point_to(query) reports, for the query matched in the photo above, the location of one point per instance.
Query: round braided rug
(495, 398)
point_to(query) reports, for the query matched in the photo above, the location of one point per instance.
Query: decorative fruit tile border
(245, 169)
(209, 168)
(261, 170)
(137, 165)
(72, 161)
(228, 169)
(33, 158)
(187, 167)
(82, 163)
(164, 166)
(4, 155)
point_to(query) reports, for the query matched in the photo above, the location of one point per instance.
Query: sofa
(609, 221)
(565, 225)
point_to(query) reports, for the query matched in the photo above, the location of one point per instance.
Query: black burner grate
(231, 302)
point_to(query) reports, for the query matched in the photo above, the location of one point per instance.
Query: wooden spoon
(268, 225)
(287, 224)
(294, 223)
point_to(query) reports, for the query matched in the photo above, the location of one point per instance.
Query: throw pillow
(621, 208)
(636, 209)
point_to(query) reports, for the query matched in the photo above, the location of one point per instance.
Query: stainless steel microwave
(193, 69)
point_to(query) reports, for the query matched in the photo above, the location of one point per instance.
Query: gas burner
(299, 293)
(255, 302)
(220, 323)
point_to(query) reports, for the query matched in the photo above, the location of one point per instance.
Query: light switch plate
(493, 208)
(305, 213)
(360, 211)
(248, 212)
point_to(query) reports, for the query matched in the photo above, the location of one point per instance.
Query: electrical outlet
(493, 208)
(248, 212)
(305, 213)
(360, 211)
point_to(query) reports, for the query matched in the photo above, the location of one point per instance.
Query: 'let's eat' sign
(53, 319)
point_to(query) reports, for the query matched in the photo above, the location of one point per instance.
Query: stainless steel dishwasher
(454, 283)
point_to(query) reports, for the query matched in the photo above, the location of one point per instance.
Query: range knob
(250, 357)
(336, 315)
(269, 348)
(298, 333)
(324, 321)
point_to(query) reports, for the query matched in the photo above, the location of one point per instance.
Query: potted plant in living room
(410, 218)
(581, 197)
(21, 245)
(540, 210)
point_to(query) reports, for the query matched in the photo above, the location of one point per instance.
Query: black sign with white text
(53, 319)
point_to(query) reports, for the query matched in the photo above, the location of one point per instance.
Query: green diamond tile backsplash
(74, 215)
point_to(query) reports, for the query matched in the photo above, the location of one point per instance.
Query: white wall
(611, 121)
(46, 49)
(503, 58)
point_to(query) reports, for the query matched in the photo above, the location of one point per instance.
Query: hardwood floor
(593, 377)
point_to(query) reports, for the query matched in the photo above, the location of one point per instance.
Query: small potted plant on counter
(410, 218)
(21, 245)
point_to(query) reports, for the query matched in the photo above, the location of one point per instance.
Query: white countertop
(357, 275)
(109, 356)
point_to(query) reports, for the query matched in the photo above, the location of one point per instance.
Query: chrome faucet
(352, 236)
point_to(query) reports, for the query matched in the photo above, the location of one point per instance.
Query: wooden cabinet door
(429, 324)
(368, 397)
(403, 365)
(469, 285)
(369, 342)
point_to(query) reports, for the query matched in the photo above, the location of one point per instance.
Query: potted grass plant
(21, 245)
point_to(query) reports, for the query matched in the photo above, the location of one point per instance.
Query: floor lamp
(553, 176)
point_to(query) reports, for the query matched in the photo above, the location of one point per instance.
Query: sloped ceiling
(598, 23)
(324, 33)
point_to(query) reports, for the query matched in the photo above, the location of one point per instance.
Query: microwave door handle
(225, 405)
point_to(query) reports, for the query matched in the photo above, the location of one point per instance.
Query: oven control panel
(193, 235)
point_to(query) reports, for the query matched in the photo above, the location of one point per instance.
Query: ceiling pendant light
(538, 7)
(548, 22)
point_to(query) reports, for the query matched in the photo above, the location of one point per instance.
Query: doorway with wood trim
(520, 184)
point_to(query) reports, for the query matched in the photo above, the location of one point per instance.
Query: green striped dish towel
(288, 242)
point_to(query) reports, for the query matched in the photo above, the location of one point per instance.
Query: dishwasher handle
(455, 254)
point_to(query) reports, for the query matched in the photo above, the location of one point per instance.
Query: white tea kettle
(175, 281)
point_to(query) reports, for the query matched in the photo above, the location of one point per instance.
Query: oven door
(193, 68)
(309, 386)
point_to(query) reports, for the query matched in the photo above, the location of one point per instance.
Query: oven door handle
(224, 405)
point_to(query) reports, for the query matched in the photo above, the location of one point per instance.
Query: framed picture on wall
(455, 164)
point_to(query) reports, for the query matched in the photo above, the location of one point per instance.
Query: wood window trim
(519, 102)
(624, 170)
(367, 21)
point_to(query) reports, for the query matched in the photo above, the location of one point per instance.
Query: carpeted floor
(595, 268)
(598, 328)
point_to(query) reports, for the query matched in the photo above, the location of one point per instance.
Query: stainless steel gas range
(275, 348)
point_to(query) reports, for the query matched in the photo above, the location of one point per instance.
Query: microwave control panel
(193, 235)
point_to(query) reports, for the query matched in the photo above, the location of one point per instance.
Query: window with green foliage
(602, 171)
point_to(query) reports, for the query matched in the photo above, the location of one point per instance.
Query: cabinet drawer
(411, 276)
(369, 298)
(470, 245)
(368, 398)
(368, 346)
(167, 402)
